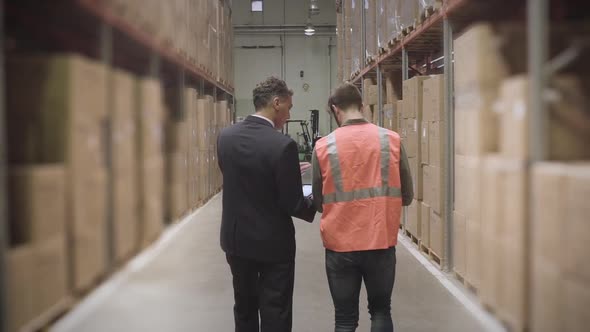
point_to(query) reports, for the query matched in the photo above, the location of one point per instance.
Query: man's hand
(304, 166)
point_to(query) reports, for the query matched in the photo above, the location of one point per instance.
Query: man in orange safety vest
(361, 179)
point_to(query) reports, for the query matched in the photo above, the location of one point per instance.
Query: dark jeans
(262, 287)
(346, 271)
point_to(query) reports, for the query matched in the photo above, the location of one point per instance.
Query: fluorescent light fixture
(256, 5)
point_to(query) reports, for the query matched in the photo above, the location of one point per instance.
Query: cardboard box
(203, 179)
(566, 142)
(577, 230)
(53, 103)
(547, 283)
(417, 176)
(514, 302)
(152, 201)
(50, 262)
(86, 230)
(390, 117)
(372, 95)
(425, 142)
(412, 141)
(437, 144)
(204, 110)
(400, 112)
(434, 98)
(473, 258)
(481, 131)
(425, 227)
(468, 187)
(575, 311)
(19, 279)
(433, 195)
(176, 188)
(437, 231)
(548, 206)
(492, 212)
(150, 118)
(414, 222)
(124, 153)
(392, 95)
(459, 243)
(125, 215)
(477, 49)
(412, 93)
(367, 82)
(37, 202)
(514, 198)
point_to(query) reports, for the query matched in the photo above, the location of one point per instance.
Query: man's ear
(275, 103)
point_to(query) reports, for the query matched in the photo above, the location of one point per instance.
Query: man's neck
(352, 115)
(267, 115)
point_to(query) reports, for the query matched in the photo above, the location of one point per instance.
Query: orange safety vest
(361, 190)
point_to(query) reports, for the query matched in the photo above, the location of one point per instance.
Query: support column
(3, 215)
(380, 95)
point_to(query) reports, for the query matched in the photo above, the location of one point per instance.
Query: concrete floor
(184, 284)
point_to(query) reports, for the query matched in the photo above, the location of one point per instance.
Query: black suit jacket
(261, 191)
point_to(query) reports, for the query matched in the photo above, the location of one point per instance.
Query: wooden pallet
(424, 249)
(435, 258)
(44, 321)
(468, 285)
(412, 237)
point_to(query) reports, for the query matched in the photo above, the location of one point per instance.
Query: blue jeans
(346, 271)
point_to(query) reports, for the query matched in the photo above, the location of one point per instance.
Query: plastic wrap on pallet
(407, 13)
(371, 28)
(382, 19)
(356, 30)
(392, 23)
(429, 3)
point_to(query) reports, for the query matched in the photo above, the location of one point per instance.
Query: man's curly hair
(265, 91)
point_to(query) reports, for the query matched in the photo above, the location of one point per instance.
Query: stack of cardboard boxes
(411, 128)
(432, 141)
(560, 270)
(56, 114)
(205, 116)
(198, 30)
(38, 241)
(124, 164)
(150, 121)
(491, 216)
(476, 134)
(177, 158)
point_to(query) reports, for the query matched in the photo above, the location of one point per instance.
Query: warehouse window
(256, 5)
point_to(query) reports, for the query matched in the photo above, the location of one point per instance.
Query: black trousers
(346, 271)
(265, 288)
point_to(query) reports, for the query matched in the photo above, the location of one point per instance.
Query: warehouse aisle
(184, 284)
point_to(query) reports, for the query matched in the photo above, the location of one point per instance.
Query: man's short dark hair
(266, 91)
(345, 96)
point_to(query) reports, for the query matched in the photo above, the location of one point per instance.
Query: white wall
(291, 54)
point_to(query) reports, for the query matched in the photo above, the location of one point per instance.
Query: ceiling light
(314, 8)
(309, 30)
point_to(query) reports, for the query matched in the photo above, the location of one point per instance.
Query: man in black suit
(262, 190)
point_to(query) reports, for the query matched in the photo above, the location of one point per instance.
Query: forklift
(307, 138)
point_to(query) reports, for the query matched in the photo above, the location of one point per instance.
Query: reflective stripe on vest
(348, 196)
